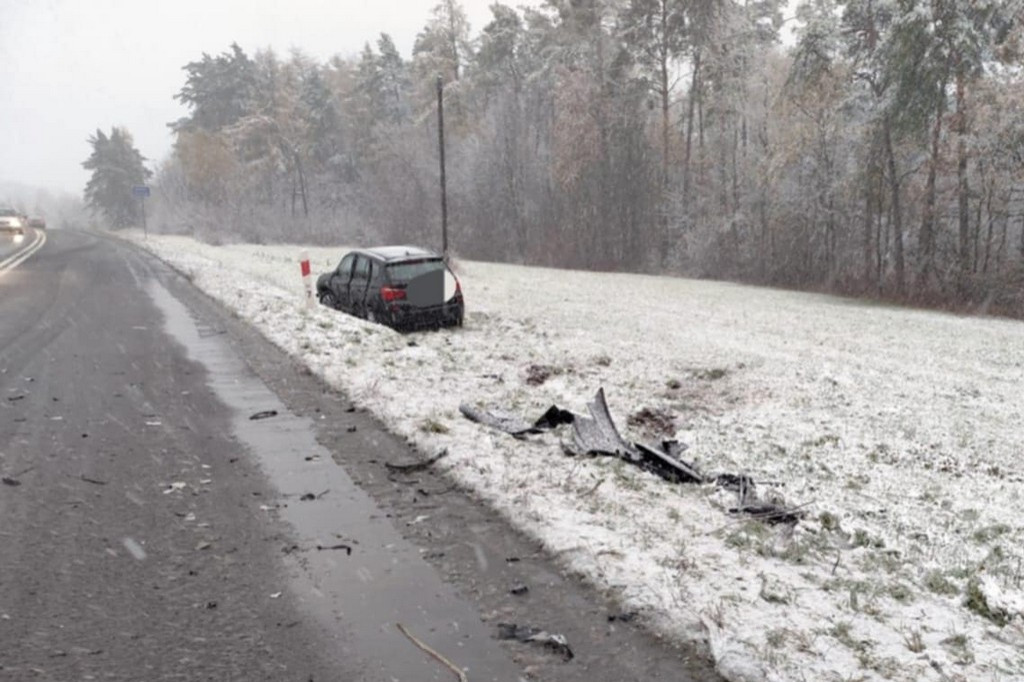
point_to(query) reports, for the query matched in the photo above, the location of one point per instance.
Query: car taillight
(389, 294)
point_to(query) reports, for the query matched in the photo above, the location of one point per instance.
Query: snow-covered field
(901, 431)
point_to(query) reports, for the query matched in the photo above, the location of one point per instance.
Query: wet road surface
(151, 530)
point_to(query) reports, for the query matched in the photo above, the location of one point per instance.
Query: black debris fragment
(94, 481)
(14, 398)
(737, 483)
(553, 418)
(519, 590)
(674, 448)
(13, 482)
(671, 469)
(307, 497)
(347, 548)
(416, 466)
(265, 414)
(524, 633)
(625, 617)
(351, 429)
(769, 512)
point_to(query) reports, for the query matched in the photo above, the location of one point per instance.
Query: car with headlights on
(11, 225)
(404, 287)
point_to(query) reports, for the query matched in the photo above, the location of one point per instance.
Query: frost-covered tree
(883, 144)
(655, 32)
(218, 90)
(116, 167)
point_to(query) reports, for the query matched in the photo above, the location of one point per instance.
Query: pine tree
(116, 167)
(218, 90)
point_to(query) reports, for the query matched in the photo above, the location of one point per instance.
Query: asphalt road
(149, 530)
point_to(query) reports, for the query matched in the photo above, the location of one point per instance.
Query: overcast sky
(68, 67)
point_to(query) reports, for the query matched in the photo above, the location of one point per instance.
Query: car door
(358, 285)
(340, 280)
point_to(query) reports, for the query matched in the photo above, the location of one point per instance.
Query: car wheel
(327, 299)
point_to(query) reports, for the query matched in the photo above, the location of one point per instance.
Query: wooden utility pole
(444, 189)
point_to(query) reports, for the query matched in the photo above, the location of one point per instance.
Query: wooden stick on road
(423, 647)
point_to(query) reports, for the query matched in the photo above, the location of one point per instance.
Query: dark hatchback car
(405, 287)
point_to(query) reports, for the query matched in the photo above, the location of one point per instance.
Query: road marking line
(35, 238)
(21, 256)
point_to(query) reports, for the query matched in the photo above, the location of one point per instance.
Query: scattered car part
(531, 635)
(514, 426)
(347, 548)
(597, 434)
(416, 466)
(625, 617)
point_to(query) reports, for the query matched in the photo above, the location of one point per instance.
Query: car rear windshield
(408, 270)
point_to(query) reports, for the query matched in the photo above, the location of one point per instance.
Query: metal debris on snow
(416, 466)
(596, 435)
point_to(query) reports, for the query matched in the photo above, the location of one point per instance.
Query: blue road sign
(141, 191)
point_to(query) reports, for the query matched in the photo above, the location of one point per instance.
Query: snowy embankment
(900, 431)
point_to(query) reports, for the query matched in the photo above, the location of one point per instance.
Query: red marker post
(307, 278)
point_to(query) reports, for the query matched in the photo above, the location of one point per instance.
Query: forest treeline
(880, 153)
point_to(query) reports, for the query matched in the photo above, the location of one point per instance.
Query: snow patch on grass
(900, 429)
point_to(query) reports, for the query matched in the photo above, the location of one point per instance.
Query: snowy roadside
(902, 431)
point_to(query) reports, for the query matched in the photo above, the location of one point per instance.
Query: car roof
(391, 254)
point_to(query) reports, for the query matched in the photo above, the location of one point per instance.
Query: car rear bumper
(412, 317)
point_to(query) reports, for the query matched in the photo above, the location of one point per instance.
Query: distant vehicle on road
(37, 222)
(405, 287)
(11, 225)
